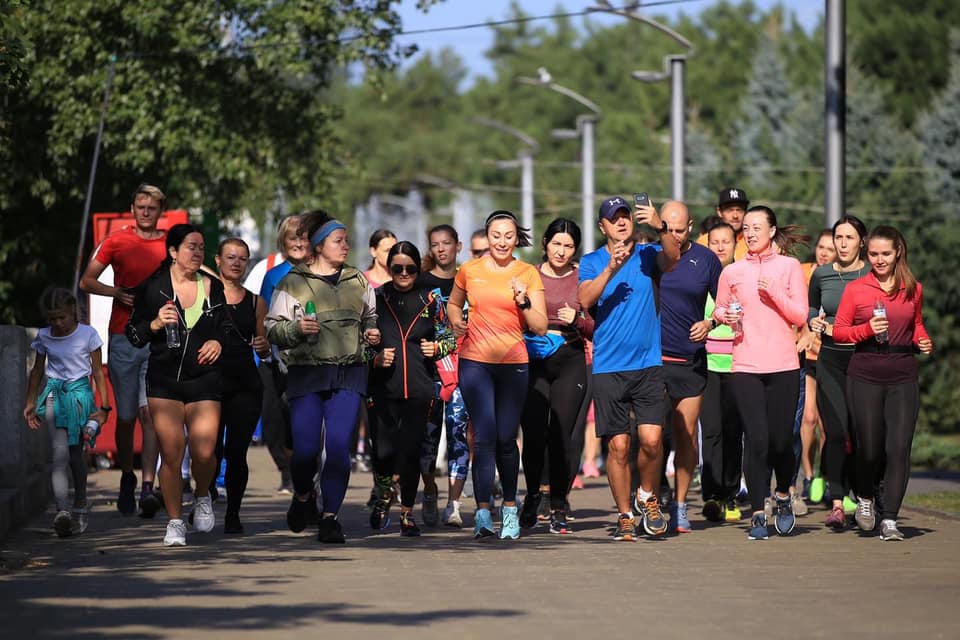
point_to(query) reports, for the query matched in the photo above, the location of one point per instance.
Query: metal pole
(587, 223)
(93, 173)
(835, 92)
(526, 189)
(677, 124)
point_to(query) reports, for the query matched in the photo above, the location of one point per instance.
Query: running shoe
(836, 519)
(731, 512)
(577, 482)
(380, 516)
(558, 522)
(509, 523)
(758, 527)
(483, 524)
(679, 520)
(712, 510)
(653, 521)
(408, 527)
(626, 528)
(203, 518)
(297, 514)
(543, 509)
(866, 517)
(798, 504)
(286, 483)
(849, 506)
(231, 523)
(768, 507)
(784, 521)
(127, 500)
(889, 531)
(451, 515)
(531, 506)
(374, 496)
(817, 489)
(431, 514)
(329, 531)
(63, 524)
(176, 534)
(589, 469)
(149, 504)
(79, 515)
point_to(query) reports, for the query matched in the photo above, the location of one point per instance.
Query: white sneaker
(203, 519)
(176, 534)
(79, 515)
(451, 515)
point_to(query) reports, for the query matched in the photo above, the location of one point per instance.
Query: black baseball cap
(732, 195)
(610, 206)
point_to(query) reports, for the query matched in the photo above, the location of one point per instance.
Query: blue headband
(326, 229)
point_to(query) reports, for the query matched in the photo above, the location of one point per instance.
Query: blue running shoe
(758, 527)
(679, 521)
(483, 524)
(784, 521)
(510, 523)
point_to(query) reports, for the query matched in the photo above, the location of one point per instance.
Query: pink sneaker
(836, 519)
(590, 470)
(578, 482)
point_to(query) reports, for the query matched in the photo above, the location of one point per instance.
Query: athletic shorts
(810, 368)
(686, 379)
(127, 368)
(209, 386)
(617, 395)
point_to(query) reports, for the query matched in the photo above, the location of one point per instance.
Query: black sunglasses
(478, 252)
(410, 269)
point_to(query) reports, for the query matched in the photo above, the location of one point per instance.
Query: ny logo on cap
(734, 194)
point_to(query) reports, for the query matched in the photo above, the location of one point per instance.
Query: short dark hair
(407, 248)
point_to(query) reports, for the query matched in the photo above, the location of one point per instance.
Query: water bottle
(310, 312)
(880, 311)
(173, 333)
(734, 306)
(821, 314)
(91, 429)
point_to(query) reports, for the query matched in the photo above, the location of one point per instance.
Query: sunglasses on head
(409, 269)
(478, 252)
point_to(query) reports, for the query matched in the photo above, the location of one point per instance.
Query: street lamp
(525, 158)
(585, 128)
(673, 69)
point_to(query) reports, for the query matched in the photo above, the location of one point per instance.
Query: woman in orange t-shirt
(505, 297)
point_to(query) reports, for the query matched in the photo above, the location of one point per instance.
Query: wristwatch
(525, 304)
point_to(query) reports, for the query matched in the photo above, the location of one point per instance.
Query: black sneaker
(558, 523)
(297, 514)
(543, 511)
(330, 531)
(149, 504)
(408, 527)
(231, 523)
(380, 516)
(531, 505)
(431, 514)
(713, 510)
(127, 500)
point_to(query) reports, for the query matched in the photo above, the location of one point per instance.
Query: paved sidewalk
(117, 581)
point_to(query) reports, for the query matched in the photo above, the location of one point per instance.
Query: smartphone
(641, 199)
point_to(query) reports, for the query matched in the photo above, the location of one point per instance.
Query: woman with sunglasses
(505, 297)
(882, 313)
(414, 332)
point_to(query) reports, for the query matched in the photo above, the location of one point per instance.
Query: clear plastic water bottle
(734, 306)
(91, 429)
(880, 311)
(310, 312)
(173, 333)
(822, 315)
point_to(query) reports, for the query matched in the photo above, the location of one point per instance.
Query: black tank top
(236, 359)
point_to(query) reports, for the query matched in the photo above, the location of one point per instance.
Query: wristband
(526, 304)
(713, 323)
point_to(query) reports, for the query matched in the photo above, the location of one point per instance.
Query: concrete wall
(24, 453)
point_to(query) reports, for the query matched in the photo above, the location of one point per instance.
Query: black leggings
(767, 403)
(555, 393)
(884, 419)
(835, 416)
(277, 435)
(722, 435)
(397, 429)
(239, 412)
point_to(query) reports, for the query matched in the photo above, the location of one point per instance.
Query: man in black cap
(732, 205)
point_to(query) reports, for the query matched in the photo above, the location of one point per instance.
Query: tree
(939, 133)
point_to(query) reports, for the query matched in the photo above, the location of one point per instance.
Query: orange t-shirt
(133, 260)
(495, 326)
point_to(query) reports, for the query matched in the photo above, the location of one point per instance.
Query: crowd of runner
(720, 358)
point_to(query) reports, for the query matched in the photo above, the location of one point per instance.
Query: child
(68, 352)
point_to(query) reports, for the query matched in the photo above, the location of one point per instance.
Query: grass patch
(944, 501)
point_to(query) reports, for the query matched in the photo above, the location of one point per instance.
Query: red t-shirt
(133, 259)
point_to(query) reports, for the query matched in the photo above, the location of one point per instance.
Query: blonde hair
(152, 192)
(282, 229)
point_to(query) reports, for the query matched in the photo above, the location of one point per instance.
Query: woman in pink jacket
(763, 297)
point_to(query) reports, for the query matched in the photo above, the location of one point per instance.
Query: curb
(931, 512)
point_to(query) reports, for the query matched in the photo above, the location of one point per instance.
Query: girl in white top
(68, 352)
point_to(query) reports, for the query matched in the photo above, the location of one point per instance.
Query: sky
(470, 44)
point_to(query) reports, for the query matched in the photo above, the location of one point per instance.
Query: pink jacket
(768, 344)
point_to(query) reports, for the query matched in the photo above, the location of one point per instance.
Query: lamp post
(835, 75)
(586, 124)
(674, 68)
(525, 158)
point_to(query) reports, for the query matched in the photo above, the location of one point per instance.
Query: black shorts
(209, 386)
(810, 368)
(686, 379)
(616, 395)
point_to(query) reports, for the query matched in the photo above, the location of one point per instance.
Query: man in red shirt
(134, 252)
